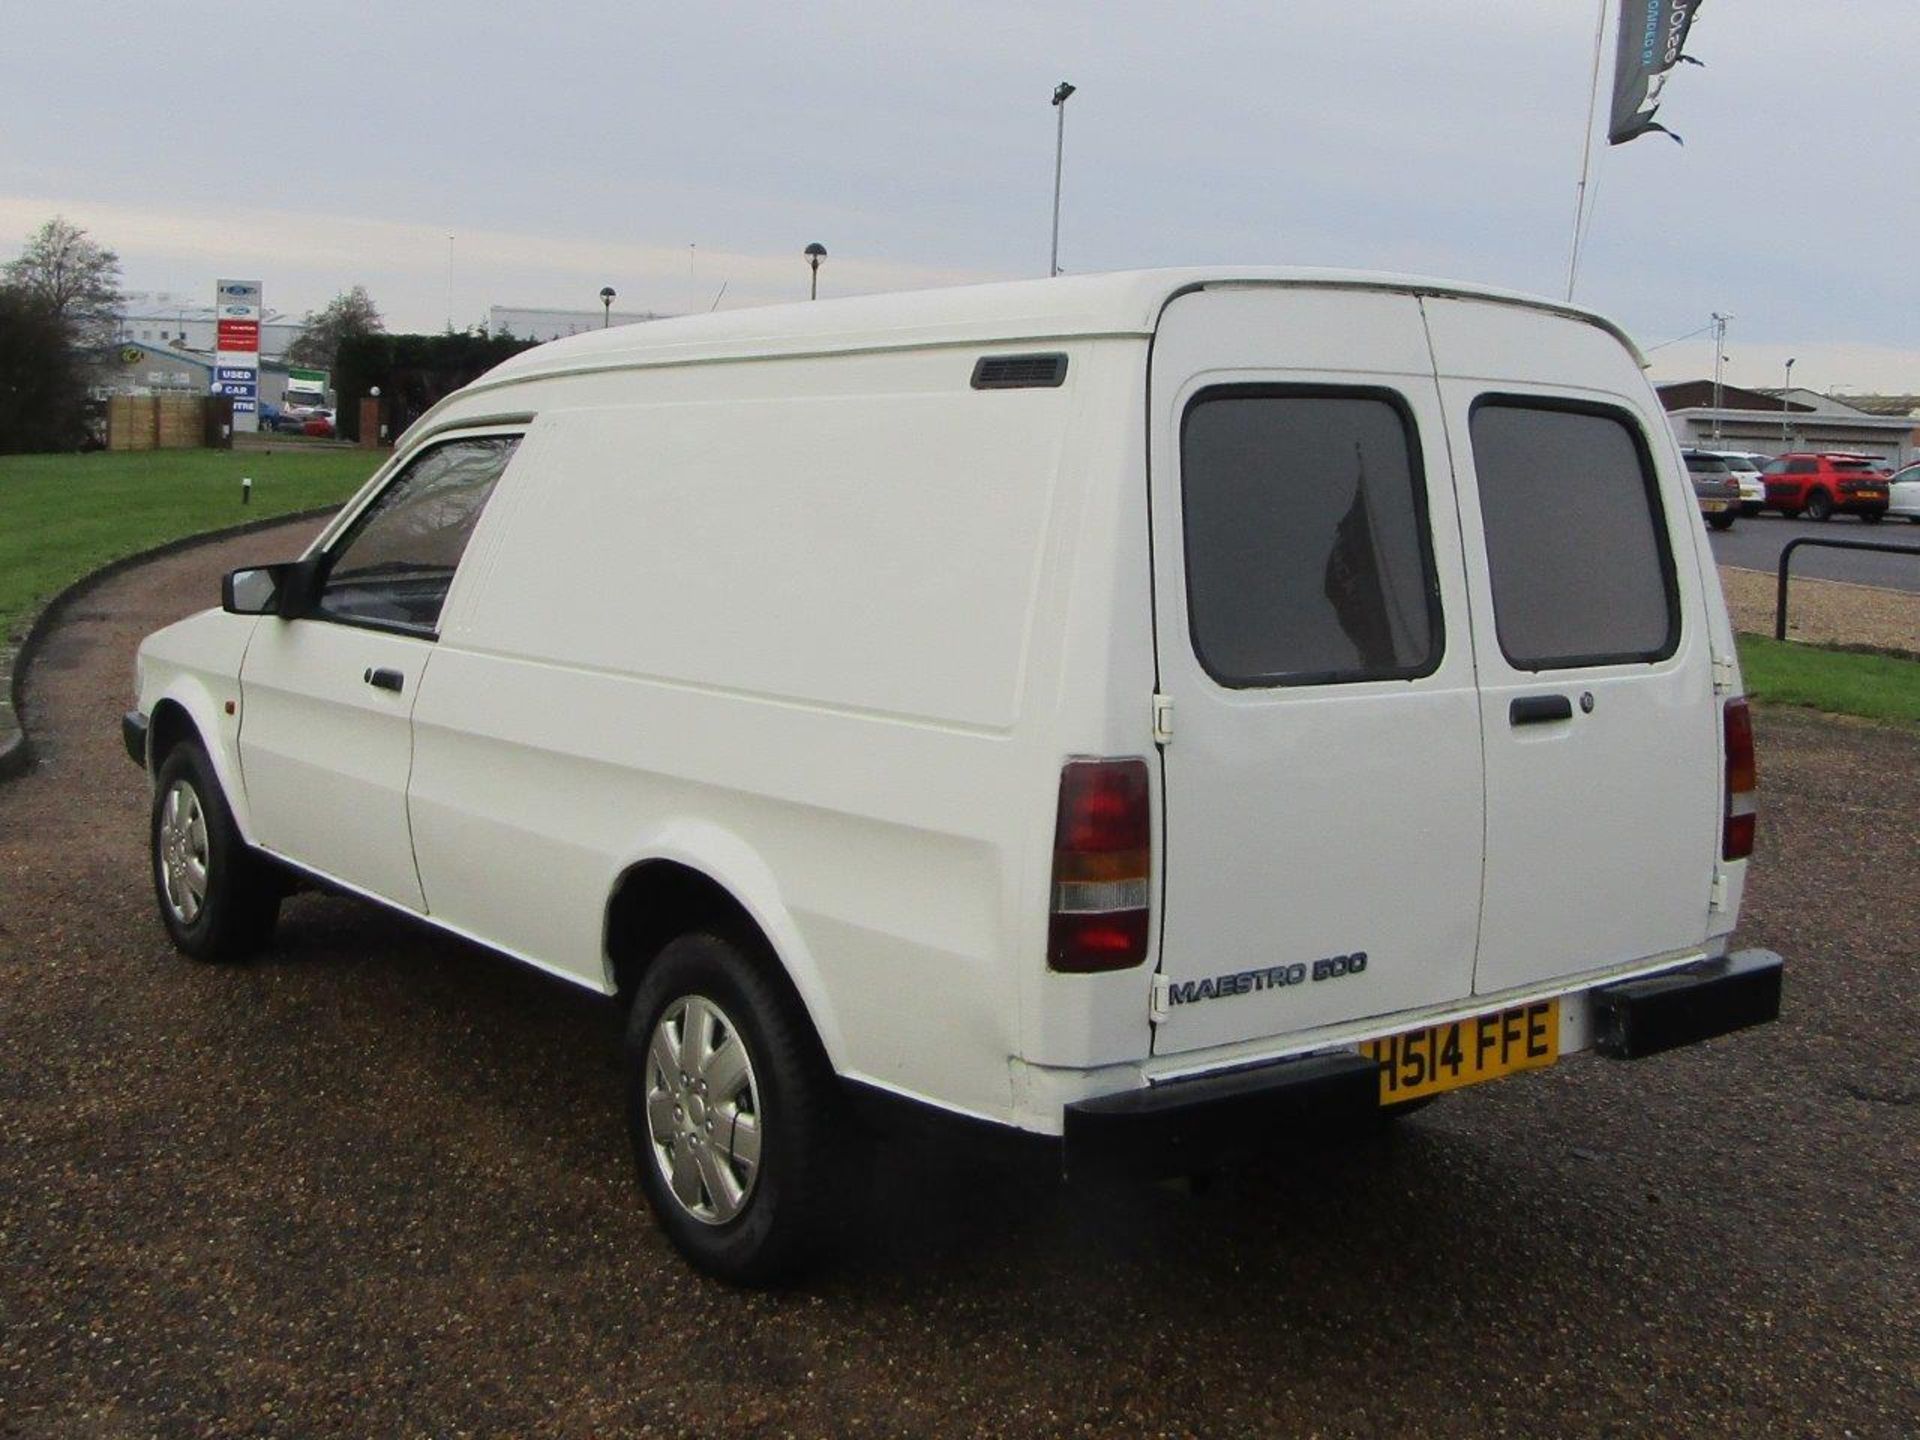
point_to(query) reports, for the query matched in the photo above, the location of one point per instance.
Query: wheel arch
(186, 711)
(698, 876)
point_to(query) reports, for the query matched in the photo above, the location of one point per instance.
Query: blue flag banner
(1653, 33)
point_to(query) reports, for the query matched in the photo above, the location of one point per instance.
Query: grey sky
(567, 146)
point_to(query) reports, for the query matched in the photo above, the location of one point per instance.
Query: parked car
(319, 423)
(1141, 713)
(1745, 468)
(1714, 489)
(1819, 484)
(1903, 493)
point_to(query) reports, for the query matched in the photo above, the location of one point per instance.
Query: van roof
(1124, 302)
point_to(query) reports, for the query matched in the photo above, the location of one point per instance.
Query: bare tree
(346, 315)
(71, 277)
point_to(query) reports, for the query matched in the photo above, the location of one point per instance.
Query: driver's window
(396, 562)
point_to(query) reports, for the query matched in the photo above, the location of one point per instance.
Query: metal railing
(1786, 559)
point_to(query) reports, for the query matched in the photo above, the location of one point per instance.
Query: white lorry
(1144, 711)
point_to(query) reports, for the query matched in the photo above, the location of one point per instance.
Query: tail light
(1743, 783)
(1102, 848)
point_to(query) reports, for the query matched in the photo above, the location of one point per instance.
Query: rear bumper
(1183, 1125)
(1188, 1124)
(133, 734)
(1683, 1007)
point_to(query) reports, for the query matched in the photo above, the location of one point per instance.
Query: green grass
(1878, 687)
(64, 515)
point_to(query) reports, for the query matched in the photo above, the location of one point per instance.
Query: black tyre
(1720, 522)
(1819, 506)
(738, 1129)
(1872, 517)
(218, 898)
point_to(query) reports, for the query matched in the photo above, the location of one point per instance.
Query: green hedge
(412, 371)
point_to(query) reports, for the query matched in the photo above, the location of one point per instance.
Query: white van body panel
(776, 595)
(195, 664)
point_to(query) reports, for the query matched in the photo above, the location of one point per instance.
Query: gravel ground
(1825, 612)
(376, 1184)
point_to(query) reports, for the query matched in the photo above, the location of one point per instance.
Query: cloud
(491, 266)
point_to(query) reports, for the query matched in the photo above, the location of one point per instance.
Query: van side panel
(799, 631)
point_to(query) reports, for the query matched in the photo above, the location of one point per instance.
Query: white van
(1147, 711)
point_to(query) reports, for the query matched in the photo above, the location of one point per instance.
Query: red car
(1819, 484)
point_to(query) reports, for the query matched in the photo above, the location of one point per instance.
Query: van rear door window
(1307, 552)
(1576, 540)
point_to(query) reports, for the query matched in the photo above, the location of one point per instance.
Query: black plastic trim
(1682, 1007)
(133, 734)
(1181, 1125)
(1046, 371)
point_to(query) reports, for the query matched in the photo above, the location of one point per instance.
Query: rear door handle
(1539, 709)
(393, 680)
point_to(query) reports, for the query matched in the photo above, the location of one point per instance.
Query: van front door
(1323, 781)
(326, 730)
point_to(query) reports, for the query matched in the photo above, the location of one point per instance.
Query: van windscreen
(1307, 554)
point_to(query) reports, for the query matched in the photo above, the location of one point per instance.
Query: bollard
(246, 489)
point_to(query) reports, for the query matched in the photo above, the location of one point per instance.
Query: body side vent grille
(1019, 372)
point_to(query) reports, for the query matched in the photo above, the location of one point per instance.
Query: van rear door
(1323, 784)
(1596, 678)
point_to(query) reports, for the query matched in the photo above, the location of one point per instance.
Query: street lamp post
(606, 306)
(1784, 402)
(815, 253)
(1060, 94)
(1719, 359)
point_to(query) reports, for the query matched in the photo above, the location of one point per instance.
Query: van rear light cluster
(1102, 852)
(1743, 783)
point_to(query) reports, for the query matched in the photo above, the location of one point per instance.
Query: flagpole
(1586, 151)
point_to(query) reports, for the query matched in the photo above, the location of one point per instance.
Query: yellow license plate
(1465, 1052)
(1713, 507)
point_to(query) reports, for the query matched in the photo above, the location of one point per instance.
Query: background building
(1761, 422)
(162, 317)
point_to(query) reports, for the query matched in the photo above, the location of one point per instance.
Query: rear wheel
(218, 898)
(733, 1110)
(1720, 522)
(1873, 517)
(1819, 506)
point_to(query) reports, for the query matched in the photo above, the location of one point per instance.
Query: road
(376, 1183)
(1755, 543)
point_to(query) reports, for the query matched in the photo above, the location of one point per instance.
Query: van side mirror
(285, 590)
(253, 591)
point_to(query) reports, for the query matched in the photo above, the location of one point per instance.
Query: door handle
(393, 680)
(1539, 709)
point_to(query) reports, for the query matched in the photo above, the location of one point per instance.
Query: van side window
(1576, 541)
(395, 564)
(1307, 553)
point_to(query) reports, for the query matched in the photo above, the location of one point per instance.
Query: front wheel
(218, 899)
(1819, 506)
(732, 1109)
